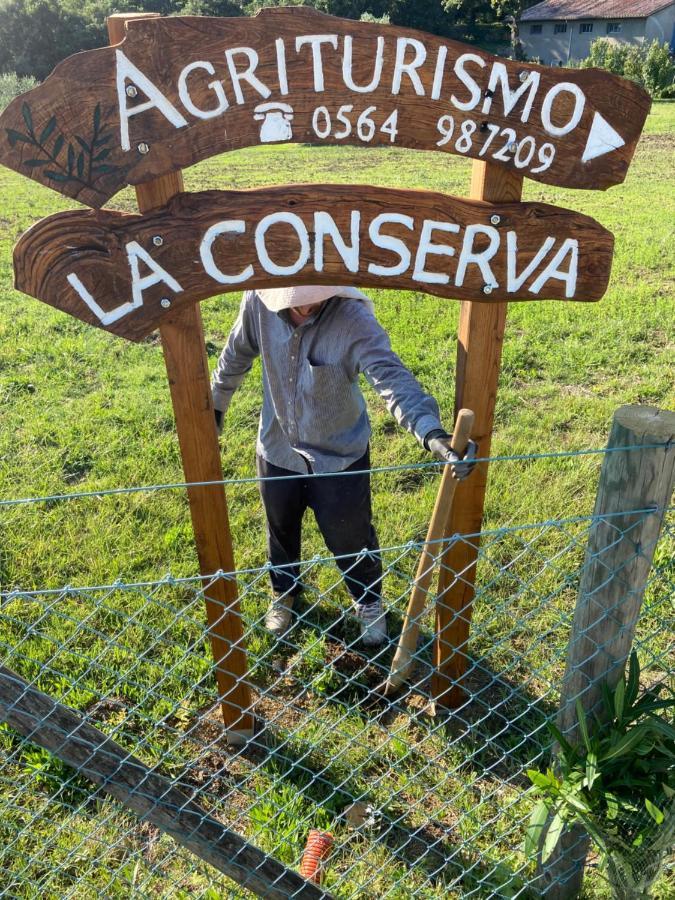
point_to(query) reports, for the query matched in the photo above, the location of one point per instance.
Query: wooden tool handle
(462, 433)
(402, 662)
(460, 441)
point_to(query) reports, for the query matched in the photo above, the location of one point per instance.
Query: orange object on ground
(318, 847)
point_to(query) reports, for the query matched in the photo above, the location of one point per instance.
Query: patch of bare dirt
(658, 141)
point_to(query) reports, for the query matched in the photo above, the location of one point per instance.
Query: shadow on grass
(501, 726)
(499, 732)
(439, 853)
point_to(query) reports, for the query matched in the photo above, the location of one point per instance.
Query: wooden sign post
(187, 369)
(174, 91)
(479, 354)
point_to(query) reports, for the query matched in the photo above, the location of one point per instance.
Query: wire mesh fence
(418, 805)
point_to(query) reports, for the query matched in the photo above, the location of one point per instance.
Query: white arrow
(602, 139)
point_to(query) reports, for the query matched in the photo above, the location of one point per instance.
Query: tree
(431, 16)
(11, 86)
(658, 70)
(36, 34)
(212, 8)
(650, 66)
(469, 11)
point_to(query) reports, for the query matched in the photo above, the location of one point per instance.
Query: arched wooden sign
(176, 91)
(179, 90)
(125, 273)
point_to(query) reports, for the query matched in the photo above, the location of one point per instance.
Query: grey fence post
(616, 568)
(154, 798)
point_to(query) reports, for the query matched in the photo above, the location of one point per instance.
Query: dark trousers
(342, 508)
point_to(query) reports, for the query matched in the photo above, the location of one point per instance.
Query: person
(314, 343)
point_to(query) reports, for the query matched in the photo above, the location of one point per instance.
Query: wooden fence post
(188, 374)
(151, 796)
(479, 353)
(618, 559)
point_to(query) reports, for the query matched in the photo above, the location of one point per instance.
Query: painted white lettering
(565, 87)
(479, 258)
(106, 318)
(439, 73)
(281, 66)
(315, 41)
(157, 274)
(325, 226)
(230, 226)
(514, 281)
(247, 75)
(348, 62)
(127, 71)
(426, 246)
(388, 242)
(298, 226)
(499, 76)
(553, 270)
(467, 81)
(215, 86)
(401, 67)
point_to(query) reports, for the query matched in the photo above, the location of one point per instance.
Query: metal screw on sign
(158, 240)
(165, 303)
(495, 220)
(487, 289)
(132, 91)
(523, 76)
(143, 148)
(512, 147)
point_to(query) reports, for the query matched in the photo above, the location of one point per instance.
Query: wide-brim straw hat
(276, 299)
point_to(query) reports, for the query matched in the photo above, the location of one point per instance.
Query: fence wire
(443, 800)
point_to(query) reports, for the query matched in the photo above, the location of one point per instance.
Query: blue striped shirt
(314, 414)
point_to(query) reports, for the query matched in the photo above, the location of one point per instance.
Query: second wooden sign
(125, 273)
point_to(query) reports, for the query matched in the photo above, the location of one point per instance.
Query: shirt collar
(285, 315)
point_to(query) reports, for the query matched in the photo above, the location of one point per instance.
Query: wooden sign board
(180, 90)
(126, 273)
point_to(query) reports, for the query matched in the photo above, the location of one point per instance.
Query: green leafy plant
(54, 777)
(618, 783)
(651, 65)
(11, 85)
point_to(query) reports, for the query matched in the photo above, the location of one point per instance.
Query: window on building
(586, 28)
(535, 29)
(560, 28)
(613, 27)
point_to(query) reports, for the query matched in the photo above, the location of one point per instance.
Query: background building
(557, 31)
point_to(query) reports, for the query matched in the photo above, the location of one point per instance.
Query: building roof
(593, 9)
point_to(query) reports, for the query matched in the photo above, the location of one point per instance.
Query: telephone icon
(276, 122)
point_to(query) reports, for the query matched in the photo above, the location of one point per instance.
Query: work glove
(438, 442)
(219, 420)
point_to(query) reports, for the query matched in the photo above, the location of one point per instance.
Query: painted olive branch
(88, 162)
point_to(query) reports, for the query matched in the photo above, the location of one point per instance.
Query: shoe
(278, 616)
(373, 621)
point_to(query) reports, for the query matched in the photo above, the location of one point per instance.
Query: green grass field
(82, 411)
